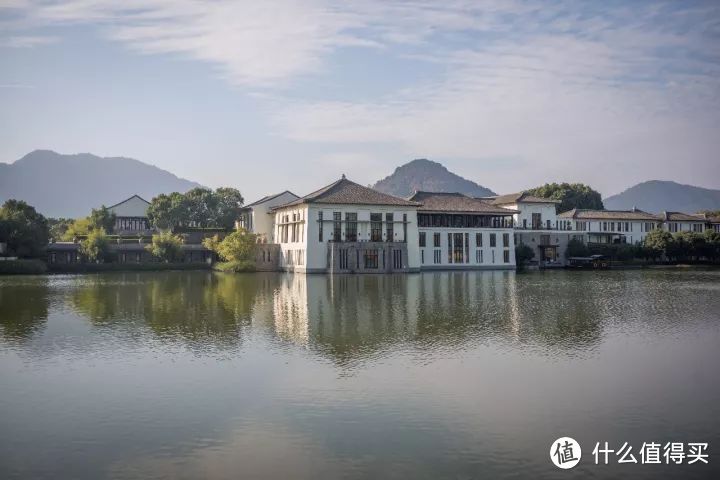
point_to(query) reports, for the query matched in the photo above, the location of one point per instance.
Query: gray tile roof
(267, 198)
(456, 202)
(520, 197)
(346, 192)
(680, 217)
(635, 214)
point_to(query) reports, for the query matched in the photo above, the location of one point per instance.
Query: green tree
(239, 246)
(576, 248)
(523, 255)
(571, 195)
(23, 229)
(657, 242)
(103, 218)
(199, 207)
(166, 247)
(96, 247)
(78, 227)
(711, 249)
(58, 227)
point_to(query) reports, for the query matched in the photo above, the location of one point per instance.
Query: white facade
(457, 248)
(536, 216)
(303, 232)
(258, 217)
(131, 215)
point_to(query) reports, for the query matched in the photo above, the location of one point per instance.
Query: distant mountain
(659, 195)
(425, 175)
(70, 185)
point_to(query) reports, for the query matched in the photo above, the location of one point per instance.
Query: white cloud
(27, 41)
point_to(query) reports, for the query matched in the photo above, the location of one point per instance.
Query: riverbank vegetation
(237, 250)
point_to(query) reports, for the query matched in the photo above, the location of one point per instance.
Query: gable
(132, 207)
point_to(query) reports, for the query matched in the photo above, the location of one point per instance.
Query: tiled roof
(680, 217)
(520, 197)
(346, 192)
(456, 202)
(267, 198)
(127, 199)
(635, 214)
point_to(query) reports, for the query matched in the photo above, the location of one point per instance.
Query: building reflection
(352, 317)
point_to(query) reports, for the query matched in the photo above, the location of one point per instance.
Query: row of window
(453, 258)
(422, 237)
(291, 228)
(351, 227)
(294, 257)
(371, 258)
(677, 227)
(463, 221)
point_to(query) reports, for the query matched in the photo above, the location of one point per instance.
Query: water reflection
(23, 307)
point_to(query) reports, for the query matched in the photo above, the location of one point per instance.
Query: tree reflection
(23, 307)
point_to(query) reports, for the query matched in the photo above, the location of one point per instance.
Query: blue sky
(265, 96)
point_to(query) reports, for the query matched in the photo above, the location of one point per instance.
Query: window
(478, 256)
(627, 226)
(548, 224)
(467, 248)
(351, 227)
(389, 232)
(397, 259)
(506, 256)
(604, 227)
(493, 240)
(478, 239)
(421, 237)
(493, 256)
(404, 227)
(376, 227)
(436, 239)
(506, 240)
(458, 250)
(536, 220)
(337, 225)
(437, 256)
(422, 256)
(370, 258)
(524, 222)
(320, 226)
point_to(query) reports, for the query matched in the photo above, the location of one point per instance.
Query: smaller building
(460, 232)
(610, 226)
(131, 216)
(675, 222)
(258, 217)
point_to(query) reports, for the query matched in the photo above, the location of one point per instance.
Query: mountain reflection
(345, 318)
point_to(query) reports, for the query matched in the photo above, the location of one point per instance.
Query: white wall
(316, 251)
(547, 212)
(487, 260)
(263, 223)
(132, 207)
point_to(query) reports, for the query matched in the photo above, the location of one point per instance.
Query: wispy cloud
(27, 41)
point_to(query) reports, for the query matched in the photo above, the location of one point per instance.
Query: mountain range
(661, 195)
(429, 176)
(70, 185)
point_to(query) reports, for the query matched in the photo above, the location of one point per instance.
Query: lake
(433, 375)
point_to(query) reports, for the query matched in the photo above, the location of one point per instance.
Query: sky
(284, 94)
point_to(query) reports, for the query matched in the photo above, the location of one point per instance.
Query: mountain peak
(60, 185)
(664, 195)
(427, 175)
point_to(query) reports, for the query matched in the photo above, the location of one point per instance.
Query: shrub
(166, 247)
(576, 248)
(239, 246)
(235, 267)
(523, 254)
(95, 248)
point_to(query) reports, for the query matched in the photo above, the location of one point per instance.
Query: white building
(459, 232)
(131, 216)
(536, 225)
(610, 226)
(675, 222)
(345, 227)
(258, 217)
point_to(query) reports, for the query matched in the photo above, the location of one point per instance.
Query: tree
(523, 255)
(58, 227)
(200, 207)
(102, 218)
(166, 247)
(571, 195)
(657, 242)
(78, 227)
(95, 248)
(239, 246)
(23, 229)
(711, 250)
(576, 248)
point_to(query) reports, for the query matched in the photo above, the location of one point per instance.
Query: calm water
(437, 375)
